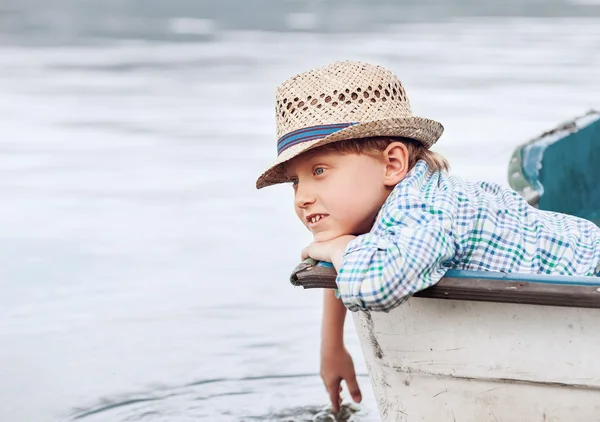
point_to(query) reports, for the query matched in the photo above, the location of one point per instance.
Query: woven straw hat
(344, 100)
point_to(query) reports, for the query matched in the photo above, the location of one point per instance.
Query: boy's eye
(318, 171)
(294, 181)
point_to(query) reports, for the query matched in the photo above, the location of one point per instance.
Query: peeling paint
(441, 392)
(408, 370)
(377, 351)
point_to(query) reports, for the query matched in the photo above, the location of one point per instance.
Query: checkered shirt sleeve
(379, 272)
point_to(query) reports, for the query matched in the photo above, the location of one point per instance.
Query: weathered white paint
(442, 360)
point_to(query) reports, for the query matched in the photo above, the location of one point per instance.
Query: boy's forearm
(384, 270)
(334, 315)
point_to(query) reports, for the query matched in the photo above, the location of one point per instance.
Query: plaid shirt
(432, 222)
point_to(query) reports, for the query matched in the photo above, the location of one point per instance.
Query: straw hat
(344, 100)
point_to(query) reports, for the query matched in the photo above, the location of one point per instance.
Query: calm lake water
(142, 277)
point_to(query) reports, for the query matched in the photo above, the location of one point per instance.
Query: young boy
(384, 211)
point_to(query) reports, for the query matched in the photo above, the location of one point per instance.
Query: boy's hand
(328, 251)
(337, 365)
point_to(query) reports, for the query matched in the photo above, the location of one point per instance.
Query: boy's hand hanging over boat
(336, 362)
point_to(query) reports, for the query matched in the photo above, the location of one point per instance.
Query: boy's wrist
(329, 346)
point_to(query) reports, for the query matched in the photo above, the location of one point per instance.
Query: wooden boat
(482, 346)
(559, 170)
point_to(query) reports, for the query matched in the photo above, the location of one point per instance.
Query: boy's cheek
(300, 217)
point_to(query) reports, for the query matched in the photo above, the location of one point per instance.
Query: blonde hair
(376, 145)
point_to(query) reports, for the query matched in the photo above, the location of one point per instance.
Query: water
(141, 275)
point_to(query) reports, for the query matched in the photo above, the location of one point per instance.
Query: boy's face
(337, 194)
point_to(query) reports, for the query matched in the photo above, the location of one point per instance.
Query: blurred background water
(141, 275)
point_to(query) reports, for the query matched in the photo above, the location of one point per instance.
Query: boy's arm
(334, 315)
(336, 362)
(379, 272)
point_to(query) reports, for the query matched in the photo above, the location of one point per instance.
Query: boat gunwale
(480, 286)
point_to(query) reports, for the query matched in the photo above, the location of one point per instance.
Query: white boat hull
(443, 360)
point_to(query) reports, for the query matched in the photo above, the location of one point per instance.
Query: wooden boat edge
(539, 289)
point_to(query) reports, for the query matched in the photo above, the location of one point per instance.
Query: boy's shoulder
(422, 183)
(420, 190)
(427, 190)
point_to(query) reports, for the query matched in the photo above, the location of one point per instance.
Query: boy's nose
(303, 197)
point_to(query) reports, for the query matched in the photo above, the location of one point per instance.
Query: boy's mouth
(314, 219)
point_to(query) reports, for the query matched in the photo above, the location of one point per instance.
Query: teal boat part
(559, 170)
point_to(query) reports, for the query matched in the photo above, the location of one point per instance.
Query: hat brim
(424, 130)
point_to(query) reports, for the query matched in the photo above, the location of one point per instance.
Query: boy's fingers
(304, 253)
(354, 389)
(334, 396)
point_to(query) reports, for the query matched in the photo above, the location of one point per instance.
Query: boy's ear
(396, 163)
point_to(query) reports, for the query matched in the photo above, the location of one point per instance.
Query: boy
(384, 211)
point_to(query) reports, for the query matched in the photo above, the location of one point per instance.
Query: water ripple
(216, 394)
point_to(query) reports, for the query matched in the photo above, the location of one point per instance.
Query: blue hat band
(309, 134)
